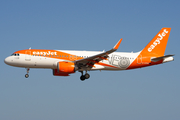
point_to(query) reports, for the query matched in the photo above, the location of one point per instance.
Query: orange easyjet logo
(157, 41)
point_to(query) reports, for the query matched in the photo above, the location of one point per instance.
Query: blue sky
(147, 93)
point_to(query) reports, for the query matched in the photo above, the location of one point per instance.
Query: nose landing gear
(83, 77)
(27, 75)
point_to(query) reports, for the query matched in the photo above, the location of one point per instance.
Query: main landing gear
(27, 75)
(83, 77)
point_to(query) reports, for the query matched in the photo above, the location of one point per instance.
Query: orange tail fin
(157, 45)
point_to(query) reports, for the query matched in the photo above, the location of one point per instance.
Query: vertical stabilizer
(157, 45)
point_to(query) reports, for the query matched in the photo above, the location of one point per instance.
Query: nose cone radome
(7, 61)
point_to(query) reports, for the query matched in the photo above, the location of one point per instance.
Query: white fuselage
(120, 60)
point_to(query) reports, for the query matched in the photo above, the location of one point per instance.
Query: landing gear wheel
(26, 75)
(87, 76)
(82, 78)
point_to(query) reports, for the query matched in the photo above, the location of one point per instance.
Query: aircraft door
(139, 59)
(28, 55)
(143, 60)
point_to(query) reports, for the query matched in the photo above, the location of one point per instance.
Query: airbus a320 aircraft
(65, 62)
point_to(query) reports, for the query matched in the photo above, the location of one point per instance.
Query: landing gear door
(28, 55)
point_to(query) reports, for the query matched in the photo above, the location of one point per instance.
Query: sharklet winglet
(117, 45)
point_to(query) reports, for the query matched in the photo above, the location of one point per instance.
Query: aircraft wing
(90, 61)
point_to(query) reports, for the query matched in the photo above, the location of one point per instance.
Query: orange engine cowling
(64, 69)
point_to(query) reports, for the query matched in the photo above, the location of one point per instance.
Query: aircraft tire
(87, 76)
(82, 77)
(26, 75)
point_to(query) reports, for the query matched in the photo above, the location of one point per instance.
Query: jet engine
(64, 69)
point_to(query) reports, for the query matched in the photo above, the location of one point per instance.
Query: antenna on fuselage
(30, 48)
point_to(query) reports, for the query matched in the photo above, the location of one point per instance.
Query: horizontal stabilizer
(160, 58)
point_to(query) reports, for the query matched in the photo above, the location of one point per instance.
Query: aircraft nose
(7, 60)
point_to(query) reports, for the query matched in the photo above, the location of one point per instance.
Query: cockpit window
(15, 54)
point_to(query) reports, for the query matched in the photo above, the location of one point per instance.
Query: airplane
(66, 62)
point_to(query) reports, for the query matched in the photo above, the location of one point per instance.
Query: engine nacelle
(57, 73)
(64, 69)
